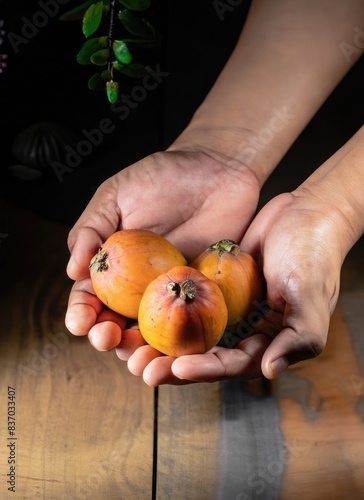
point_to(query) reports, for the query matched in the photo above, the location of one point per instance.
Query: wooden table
(85, 428)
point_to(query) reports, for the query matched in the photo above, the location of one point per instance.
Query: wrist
(335, 190)
(238, 147)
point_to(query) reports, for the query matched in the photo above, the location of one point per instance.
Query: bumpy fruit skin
(236, 273)
(126, 263)
(182, 312)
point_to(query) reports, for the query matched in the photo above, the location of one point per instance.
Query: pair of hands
(194, 199)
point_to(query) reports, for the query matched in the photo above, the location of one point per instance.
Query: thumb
(98, 221)
(290, 347)
(303, 336)
(86, 241)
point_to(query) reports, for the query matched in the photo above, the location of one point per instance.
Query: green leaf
(106, 75)
(96, 82)
(89, 48)
(121, 52)
(133, 70)
(135, 4)
(112, 91)
(135, 25)
(92, 19)
(100, 57)
(76, 13)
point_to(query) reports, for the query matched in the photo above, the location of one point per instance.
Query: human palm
(190, 197)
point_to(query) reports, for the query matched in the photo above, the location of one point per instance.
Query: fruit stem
(185, 291)
(99, 263)
(227, 246)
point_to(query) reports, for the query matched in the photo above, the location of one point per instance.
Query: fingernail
(278, 366)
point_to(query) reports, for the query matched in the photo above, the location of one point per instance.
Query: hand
(301, 240)
(295, 239)
(192, 197)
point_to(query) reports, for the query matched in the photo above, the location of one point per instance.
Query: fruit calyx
(185, 290)
(226, 246)
(99, 263)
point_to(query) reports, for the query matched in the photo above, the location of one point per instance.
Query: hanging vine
(111, 50)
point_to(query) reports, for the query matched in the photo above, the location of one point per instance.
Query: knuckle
(316, 345)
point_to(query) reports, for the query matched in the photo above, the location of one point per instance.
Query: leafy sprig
(111, 50)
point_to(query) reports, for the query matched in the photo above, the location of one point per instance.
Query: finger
(83, 308)
(106, 333)
(141, 358)
(159, 372)
(83, 250)
(222, 364)
(98, 221)
(289, 347)
(105, 336)
(304, 332)
(131, 341)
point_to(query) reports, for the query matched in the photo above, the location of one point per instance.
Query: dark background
(44, 83)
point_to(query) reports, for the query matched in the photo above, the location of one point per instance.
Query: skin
(285, 64)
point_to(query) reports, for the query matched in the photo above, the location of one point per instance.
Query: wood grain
(322, 407)
(188, 434)
(219, 441)
(84, 424)
(318, 407)
(301, 436)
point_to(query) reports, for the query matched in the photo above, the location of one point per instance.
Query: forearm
(336, 190)
(286, 63)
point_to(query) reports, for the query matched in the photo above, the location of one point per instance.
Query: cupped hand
(296, 240)
(192, 197)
